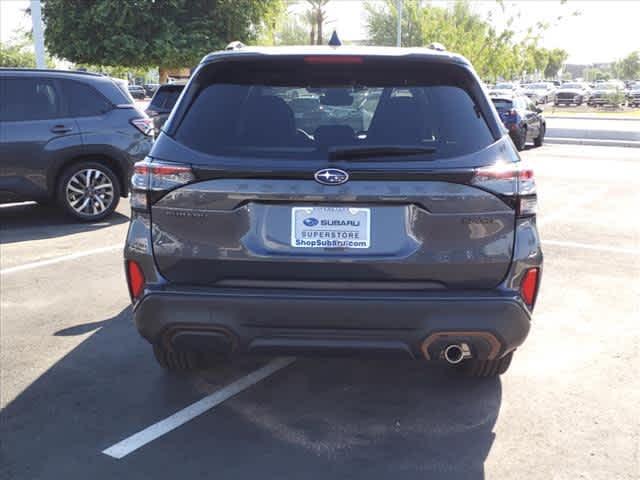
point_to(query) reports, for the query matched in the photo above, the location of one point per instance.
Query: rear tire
(539, 140)
(92, 182)
(486, 368)
(185, 361)
(521, 139)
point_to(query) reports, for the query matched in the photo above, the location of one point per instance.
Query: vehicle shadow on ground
(318, 418)
(31, 221)
(373, 419)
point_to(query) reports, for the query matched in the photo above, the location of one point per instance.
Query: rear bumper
(414, 324)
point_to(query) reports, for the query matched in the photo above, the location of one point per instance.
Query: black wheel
(486, 368)
(182, 361)
(88, 191)
(539, 140)
(520, 138)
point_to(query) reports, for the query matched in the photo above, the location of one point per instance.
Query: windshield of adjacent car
(573, 85)
(310, 117)
(607, 86)
(502, 104)
(537, 86)
(503, 86)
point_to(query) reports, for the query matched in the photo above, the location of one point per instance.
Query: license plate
(330, 227)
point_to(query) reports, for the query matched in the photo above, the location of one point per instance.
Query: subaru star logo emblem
(310, 222)
(331, 176)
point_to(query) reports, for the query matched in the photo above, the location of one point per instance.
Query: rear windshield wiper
(365, 153)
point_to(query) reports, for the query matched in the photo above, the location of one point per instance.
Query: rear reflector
(332, 59)
(529, 286)
(135, 279)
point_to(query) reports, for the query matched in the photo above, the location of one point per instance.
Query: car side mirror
(539, 110)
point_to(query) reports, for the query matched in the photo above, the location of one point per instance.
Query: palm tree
(316, 16)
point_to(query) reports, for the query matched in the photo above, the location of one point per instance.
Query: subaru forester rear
(334, 201)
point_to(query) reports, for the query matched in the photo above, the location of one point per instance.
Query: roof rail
(49, 70)
(236, 45)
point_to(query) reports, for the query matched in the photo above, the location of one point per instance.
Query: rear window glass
(291, 117)
(165, 98)
(503, 104)
(83, 100)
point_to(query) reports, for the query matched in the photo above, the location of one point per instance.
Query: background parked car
(605, 93)
(162, 103)
(541, 92)
(137, 92)
(522, 118)
(633, 95)
(572, 93)
(150, 89)
(505, 88)
(68, 137)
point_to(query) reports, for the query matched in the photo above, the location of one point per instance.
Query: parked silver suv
(401, 221)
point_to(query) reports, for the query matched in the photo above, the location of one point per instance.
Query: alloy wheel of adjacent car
(89, 191)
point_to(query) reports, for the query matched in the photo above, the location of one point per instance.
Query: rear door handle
(60, 129)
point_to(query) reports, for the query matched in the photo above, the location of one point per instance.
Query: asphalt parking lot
(76, 379)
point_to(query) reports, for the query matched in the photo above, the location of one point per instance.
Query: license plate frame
(331, 228)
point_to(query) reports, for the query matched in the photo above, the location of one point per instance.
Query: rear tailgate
(255, 215)
(239, 232)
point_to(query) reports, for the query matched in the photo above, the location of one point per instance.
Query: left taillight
(529, 286)
(145, 125)
(154, 178)
(135, 280)
(513, 181)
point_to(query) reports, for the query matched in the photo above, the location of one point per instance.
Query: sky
(605, 30)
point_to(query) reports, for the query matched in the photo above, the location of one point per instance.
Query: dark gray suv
(408, 232)
(70, 138)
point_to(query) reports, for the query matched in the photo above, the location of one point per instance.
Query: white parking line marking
(137, 440)
(589, 246)
(64, 258)
(584, 200)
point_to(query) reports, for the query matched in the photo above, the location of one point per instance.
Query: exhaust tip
(455, 353)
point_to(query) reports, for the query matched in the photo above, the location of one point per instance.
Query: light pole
(399, 32)
(38, 36)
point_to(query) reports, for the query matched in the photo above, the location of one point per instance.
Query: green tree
(12, 55)
(147, 33)
(630, 66)
(292, 32)
(556, 58)
(17, 54)
(494, 54)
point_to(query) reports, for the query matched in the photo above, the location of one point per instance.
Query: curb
(580, 117)
(593, 142)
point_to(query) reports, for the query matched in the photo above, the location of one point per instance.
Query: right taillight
(529, 286)
(154, 177)
(512, 181)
